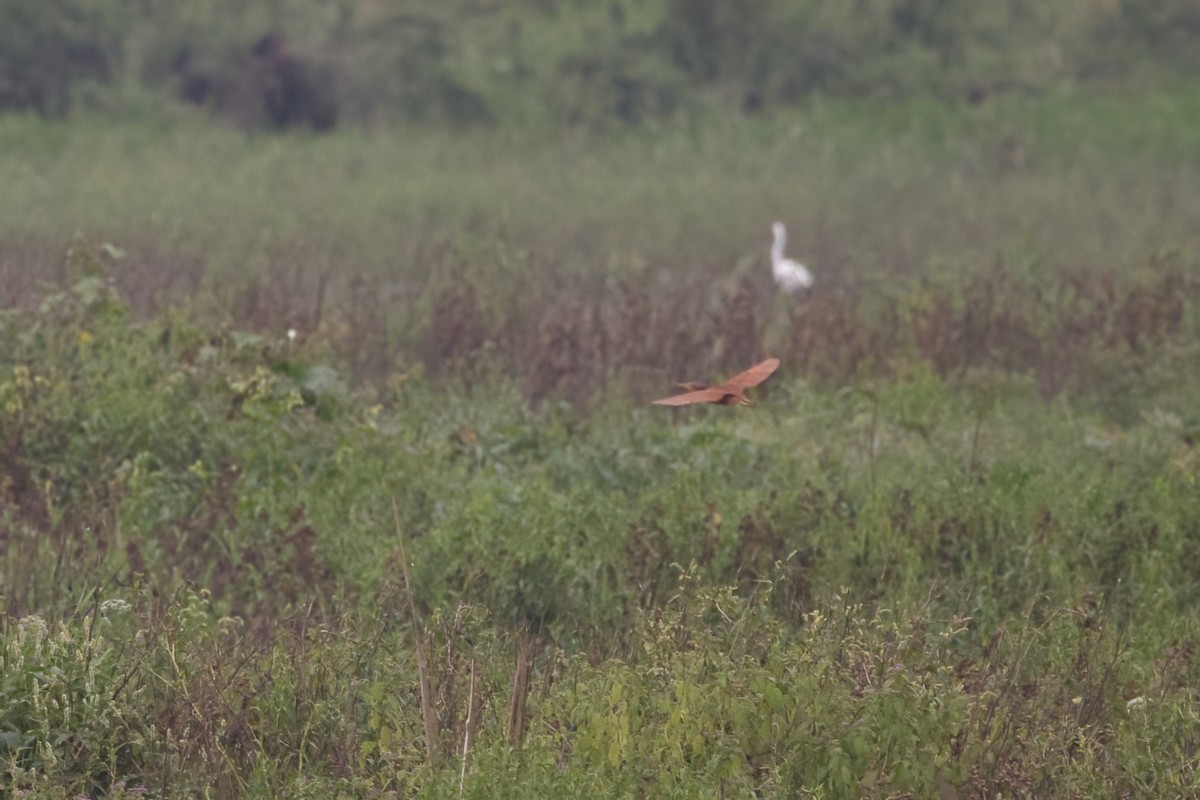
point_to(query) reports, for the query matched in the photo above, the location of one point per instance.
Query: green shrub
(50, 49)
(65, 720)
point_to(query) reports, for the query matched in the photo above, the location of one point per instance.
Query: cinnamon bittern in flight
(731, 392)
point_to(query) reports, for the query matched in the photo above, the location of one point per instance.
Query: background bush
(568, 62)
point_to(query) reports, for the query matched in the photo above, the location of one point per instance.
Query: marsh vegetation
(440, 544)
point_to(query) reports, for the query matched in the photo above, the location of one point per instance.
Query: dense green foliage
(307, 62)
(908, 585)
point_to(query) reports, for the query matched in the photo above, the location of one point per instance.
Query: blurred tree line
(311, 63)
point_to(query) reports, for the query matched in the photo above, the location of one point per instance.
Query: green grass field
(441, 545)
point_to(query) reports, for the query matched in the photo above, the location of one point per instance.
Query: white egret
(790, 275)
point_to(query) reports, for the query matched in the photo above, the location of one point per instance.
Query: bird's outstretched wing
(730, 392)
(753, 376)
(711, 395)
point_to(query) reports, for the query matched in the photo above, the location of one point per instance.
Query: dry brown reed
(560, 340)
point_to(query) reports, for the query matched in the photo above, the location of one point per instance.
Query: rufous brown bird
(731, 392)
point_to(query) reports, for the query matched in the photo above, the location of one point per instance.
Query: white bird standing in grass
(790, 275)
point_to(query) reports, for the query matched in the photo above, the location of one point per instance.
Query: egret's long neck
(777, 245)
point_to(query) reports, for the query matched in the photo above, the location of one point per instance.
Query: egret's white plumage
(790, 275)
